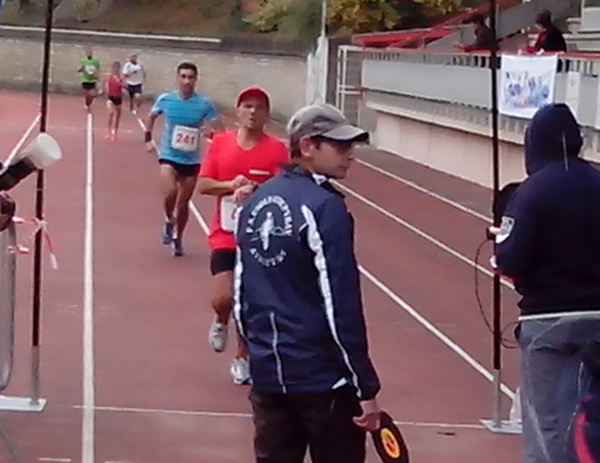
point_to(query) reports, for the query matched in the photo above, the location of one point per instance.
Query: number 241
(185, 139)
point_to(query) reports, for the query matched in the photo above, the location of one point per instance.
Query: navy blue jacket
(550, 238)
(297, 289)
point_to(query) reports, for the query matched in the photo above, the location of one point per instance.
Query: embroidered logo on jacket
(269, 220)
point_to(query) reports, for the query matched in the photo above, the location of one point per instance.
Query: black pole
(39, 213)
(496, 293)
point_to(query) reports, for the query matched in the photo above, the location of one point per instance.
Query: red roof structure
(419, 38)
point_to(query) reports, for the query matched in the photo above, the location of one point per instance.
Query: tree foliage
(349, 16)
(302, 17)
(302, 21)
(442, 6)
(269, 14)
(445, 7)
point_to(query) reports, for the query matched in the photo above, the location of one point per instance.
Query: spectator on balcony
(484, 37)
(550, 38)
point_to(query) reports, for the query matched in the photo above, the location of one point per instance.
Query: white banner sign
(316, 68)
(526, 84)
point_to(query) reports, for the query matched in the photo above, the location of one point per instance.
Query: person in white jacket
(135, 76)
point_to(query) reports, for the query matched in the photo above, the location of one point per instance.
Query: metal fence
(8, 267)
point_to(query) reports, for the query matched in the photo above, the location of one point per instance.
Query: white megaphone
(41, 153)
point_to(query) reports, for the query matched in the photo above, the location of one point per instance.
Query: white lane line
(424, 190)
(234, 415)
(457, 349)
(422, 234)
(54, 460)
(141, 123)
(87, 429)
(199, 218)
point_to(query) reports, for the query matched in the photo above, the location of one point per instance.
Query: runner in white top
(135, 76)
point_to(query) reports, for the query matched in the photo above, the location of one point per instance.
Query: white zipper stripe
(237, 291)
(315, 243)
(276, 352)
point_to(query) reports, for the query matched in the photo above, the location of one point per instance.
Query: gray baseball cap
(326, 121)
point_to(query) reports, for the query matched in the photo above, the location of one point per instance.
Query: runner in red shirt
(234, 159)
(114, 92)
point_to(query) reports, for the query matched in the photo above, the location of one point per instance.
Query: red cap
(253, 91)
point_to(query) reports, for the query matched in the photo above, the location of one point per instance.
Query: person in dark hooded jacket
(549, 244)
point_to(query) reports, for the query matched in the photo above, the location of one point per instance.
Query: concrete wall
(223, 73)
(459, 153)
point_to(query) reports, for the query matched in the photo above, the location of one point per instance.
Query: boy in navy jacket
(298, 303)
(549, 244)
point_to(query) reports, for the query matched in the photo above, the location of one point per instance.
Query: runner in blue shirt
(185, 113)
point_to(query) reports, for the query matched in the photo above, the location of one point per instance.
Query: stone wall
(224, 71)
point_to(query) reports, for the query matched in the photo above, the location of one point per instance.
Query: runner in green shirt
(90, 68)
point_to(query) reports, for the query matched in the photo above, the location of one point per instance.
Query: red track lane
(158, 384)
(17, 112)
(445, 273)
(55, 432)
(459, 230)
(152, 316)
(468, 194)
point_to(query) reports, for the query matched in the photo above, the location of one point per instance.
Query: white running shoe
(217, 336)
(240, 371)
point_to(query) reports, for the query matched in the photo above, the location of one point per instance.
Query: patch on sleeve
(506, 227)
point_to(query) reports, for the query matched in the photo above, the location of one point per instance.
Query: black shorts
(133, 89)
(222, 260)
(88, 85)
(116, 100)
(185, 170)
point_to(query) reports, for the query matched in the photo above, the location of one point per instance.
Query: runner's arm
(213, 119)
(211, 187)
(106, 80)
(217, 125)
(207, 185)
(156, 110)
(150, 126)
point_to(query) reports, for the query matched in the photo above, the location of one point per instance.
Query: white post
(572, 94)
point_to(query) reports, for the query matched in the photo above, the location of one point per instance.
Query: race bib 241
(185, 138)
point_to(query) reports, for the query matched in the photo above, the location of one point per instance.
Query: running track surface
(126, 367)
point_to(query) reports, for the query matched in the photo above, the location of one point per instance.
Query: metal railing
(462, 79)
(8, 266)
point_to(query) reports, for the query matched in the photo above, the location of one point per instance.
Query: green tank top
(90, 66)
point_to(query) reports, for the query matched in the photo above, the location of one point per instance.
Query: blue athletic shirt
(181, 136)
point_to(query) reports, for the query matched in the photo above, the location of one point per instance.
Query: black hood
(552, 135)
